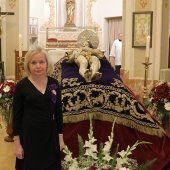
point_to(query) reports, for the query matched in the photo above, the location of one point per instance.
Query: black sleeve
(17, 109)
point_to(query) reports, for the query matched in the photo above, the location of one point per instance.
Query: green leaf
(147, 164)
(81, 144)
(100, 154)
(113, 161)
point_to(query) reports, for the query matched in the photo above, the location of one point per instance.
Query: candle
(20, 47)
(146, 59)
(147, 46)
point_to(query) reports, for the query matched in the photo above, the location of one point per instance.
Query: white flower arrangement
(90, 159)
(7, 89)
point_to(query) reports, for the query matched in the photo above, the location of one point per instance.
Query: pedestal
(9, 131)
(2, 76)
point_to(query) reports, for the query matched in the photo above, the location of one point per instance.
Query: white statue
(84, 56)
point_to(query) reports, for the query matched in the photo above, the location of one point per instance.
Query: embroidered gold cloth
(106, 99)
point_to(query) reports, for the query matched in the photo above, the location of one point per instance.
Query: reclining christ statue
(87, 56)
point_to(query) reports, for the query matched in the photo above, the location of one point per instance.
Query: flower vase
(166, 122)
(9, 127)
(9, 131)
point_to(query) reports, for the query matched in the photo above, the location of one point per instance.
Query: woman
(37, 116)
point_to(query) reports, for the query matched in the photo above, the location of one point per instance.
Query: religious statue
(1, 17)
(70, 9)
(87, 58)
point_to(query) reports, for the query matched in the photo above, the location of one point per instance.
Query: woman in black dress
(37, 116)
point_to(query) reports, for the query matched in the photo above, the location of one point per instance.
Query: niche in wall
(61, 12)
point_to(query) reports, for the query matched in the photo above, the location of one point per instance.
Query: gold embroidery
(105, 102)
(70, 82)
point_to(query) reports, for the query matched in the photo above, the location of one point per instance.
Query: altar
(57, 54)
(65, 37)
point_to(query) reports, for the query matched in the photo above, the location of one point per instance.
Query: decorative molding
(67, 36)
(50, 22)
(89, 21)
(12, 3)
(143, 3)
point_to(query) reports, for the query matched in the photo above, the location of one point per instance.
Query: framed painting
(141, 28)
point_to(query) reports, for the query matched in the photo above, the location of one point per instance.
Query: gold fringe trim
(157, 131)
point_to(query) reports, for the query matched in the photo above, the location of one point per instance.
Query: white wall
(39, 9)
(106, 8)
(101, 12)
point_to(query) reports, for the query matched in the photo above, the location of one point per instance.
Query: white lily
(72, 167)
(89, 152)
(124, 168)
(91, 138)
(120, 162)
(106, 147)
(68, 158)
(107, 157)
(91, 146)
(90, 157)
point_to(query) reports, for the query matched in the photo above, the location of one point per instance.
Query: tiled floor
(7, 158)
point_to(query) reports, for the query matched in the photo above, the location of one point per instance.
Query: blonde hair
(37, 50)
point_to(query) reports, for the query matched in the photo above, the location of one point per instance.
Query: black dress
(37, 118)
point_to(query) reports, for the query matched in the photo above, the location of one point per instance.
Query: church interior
(25, 24)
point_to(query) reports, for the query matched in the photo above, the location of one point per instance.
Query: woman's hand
(61, 141)
(18, 150)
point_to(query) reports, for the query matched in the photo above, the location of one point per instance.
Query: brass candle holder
(20, 66)
(145, 90)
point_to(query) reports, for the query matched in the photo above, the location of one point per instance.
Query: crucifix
(2, 15)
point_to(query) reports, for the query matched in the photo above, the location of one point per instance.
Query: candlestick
(145, 89)
(20, 47)
(147, 46)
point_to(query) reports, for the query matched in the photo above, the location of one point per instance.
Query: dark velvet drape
(123, 136)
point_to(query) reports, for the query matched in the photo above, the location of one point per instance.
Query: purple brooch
(52, 88)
